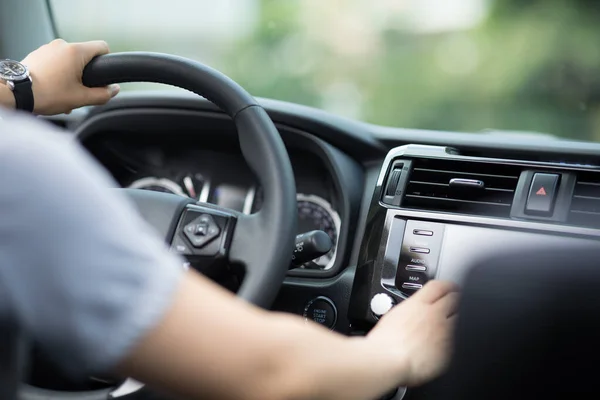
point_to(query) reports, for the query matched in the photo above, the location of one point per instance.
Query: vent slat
(588, 183)
(585, 203)
(448, 185)
(576, 196)
(429, 187)
(439, 171)
(457, 201)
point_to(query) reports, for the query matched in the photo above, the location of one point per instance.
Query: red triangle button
(541, 192)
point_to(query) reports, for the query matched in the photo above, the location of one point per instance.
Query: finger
(435, 290)
(92, 49)
(101, 95)
(448, 304)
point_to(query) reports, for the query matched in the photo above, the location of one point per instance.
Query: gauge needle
(189, 186)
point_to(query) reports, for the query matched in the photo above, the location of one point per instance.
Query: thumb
(101, 95)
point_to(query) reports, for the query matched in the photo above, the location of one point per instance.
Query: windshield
(463, 65)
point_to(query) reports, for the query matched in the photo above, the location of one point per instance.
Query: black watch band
(23, 92)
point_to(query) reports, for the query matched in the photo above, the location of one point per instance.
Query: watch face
(12, 70)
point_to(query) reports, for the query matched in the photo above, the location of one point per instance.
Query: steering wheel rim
(264, 241)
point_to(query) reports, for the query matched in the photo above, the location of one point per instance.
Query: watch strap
(23, 92)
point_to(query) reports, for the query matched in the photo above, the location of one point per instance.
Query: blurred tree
(533, 65)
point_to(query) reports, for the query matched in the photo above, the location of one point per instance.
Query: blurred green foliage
(530, 66)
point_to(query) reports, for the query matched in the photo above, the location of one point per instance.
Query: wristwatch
(16, 76)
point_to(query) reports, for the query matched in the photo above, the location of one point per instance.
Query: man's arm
(211, 345)
(56, 70)
(84, 275)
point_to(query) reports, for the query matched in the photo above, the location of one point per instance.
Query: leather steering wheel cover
(268, 251)
(261, 145)
(170, 70)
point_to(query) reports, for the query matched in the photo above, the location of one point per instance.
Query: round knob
(381, 303)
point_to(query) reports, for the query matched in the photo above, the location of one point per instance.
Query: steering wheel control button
(181, 247)
(381, 304)
(422, 232)
(420, 250)
(322, 311)
(202, 230)
(542, 194)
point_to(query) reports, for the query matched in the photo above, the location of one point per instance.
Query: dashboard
(401, 206)
(219, 175)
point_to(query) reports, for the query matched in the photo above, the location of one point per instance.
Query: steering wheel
(262, 243)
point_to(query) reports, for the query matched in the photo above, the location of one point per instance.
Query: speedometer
(158, 185)
(315, 213)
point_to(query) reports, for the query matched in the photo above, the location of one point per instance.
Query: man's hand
(417, 333)
(56, 70)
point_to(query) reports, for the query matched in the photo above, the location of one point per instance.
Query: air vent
(465, 187)
(585, 206)
(393, 181)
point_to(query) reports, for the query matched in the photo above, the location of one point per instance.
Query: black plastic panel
(215, 130)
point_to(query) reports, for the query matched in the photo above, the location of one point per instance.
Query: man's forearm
(316, 364)
(199, 351)
(7, 99)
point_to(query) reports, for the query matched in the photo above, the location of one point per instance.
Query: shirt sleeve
(81, 271)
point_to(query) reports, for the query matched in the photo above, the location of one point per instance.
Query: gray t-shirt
(80, 271)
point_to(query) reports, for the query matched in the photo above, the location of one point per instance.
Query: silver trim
(188, 182)
(412, 286)
(416, 268)
(249, 200)
(162, 182)
(205, 192)
(471, 183)
(334, 216)
(127, 388)
(427, 151)
(419, 250)
(392, 244)
(422, 232)
(488, 221)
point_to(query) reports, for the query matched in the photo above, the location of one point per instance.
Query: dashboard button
(322, 311)
(422, 232)
(415, 277)
(542, 194)
(202, 230)
(416, 268)
(180, 247)
(411, 286)
(381, 304)
(420, 250)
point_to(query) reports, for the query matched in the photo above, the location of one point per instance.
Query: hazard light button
(542, 194)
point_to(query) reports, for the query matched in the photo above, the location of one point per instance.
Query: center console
(436, 212)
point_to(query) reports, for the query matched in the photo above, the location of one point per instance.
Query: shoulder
(34, 150)
(23, 133)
